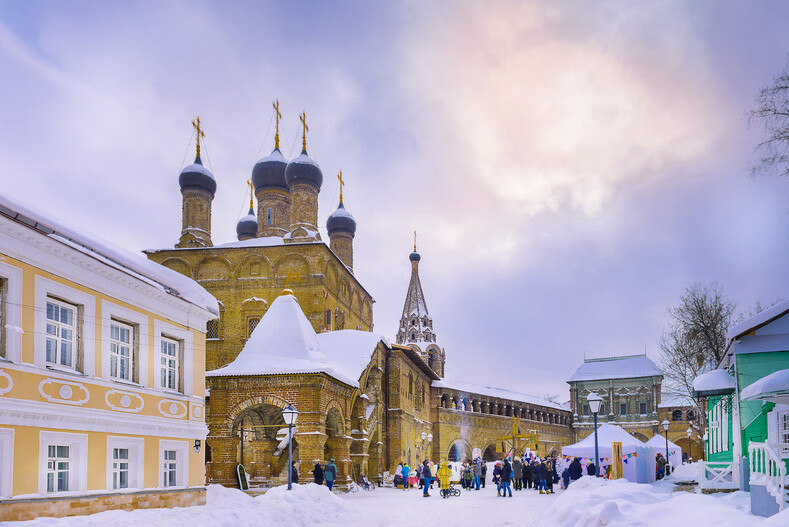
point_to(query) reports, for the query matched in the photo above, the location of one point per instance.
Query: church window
(676, 415)
(690, 415)
(268, 216)
(586, 409)
(328, 318)
(622, 408)
(410, 386)
(252, 323)
(212, 329)
(413, 336)
(423, 394)
(642, 408)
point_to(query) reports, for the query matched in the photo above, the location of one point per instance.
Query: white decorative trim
(65, 392)
(125, 401)
(136, 446)
(7, 466)
(181, 461)
(196, 411)
(27, 245)
(45, 287)
(172, 409)
(4, 375)
(110, 310)
(13, 309)
(17, 412)
(78, 464)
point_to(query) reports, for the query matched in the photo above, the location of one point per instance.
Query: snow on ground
(589, 502)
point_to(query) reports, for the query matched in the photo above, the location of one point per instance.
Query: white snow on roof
(303, 159)
(341, 212)
(606, 434)
(284, 342)
(264, 241)
(774, 387)
(669, 401)
(135, 264)
(275, 155)
(197, 167)
(757, 320)
(714, 380)
(490, 391)
(616, 368)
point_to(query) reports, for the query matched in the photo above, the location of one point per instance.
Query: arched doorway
(489, 454)
(263, 446)
(459, 451)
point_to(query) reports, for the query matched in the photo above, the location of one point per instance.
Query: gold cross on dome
(305, 129)
(200, 133)
(251, 194)
(277, 117)
(414, 241)
(342, 184)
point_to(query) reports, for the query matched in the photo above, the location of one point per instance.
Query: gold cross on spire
(342, 184)
(305, 129)
(277, 116)
(200, 133)
(251, 195)
(414, 241)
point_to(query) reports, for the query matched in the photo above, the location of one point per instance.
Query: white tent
(639, 468)
(674, 451)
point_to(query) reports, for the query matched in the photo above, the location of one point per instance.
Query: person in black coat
(542, 476)
(317, 473)
(294, 472)
(590, 469)
(428, 478)
(484, 473)
(506, 477)
(576, 471)
(527, 472)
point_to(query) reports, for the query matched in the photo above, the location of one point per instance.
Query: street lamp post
(289, 414)
(690, 433)
(666, 424)
(594, 405)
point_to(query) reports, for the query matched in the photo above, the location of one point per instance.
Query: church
(296, 327)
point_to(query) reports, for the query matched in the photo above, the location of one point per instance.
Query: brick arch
(213, 268)
(179, 265)
(294, 263)
(332, 274)
(463, 448)
(254, 401)
(248, 260)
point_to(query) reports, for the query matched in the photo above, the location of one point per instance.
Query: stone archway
(489, 454)
(262, 448)
(459, 450)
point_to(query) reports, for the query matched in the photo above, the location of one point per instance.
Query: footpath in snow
(589, 502)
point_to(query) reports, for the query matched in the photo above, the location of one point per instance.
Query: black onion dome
(414, 257)
(341, 220)
(304, 170)
(196, 176)
(269, 171)
(248, 225)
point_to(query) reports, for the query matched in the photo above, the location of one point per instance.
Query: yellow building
(102, 374)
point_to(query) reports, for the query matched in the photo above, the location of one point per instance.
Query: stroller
(366, 484)
(451, 491)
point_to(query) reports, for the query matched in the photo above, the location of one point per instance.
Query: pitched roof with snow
(284, 342)
(490, 391)
(626, 367)
(713, 383)
(758, 320)
(120, 258)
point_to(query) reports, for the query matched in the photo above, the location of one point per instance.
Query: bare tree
(772, 113)
(694, 339)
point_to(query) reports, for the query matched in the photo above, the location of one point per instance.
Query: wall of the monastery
(237, 275)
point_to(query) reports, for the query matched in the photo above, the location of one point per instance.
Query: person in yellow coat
(443, 474)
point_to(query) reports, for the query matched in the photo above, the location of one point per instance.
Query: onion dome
(269, 171)
(414, 257)
(196, 176)
(247, 227)
(304, 170)
(341, 221)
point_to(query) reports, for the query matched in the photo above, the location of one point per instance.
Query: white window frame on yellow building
(113, 313)
(11, 333)
(86, 336)
(184, 353)
(63, 330)
(181, 461)
(78, 459)
(136, 447)
(7, 465)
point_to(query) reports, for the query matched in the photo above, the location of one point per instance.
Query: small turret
(304, 178)
(271, 189)
(247, 227)
(198, 188)
(342, 228)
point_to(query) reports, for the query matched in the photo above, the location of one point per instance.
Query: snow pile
(616, 368)
(592, 502)
(686, 472)
(305, 505)
(714, 380)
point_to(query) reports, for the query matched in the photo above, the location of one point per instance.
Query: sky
(570, 167)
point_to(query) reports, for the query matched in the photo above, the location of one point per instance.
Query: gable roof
(625, 367)
(758, 320)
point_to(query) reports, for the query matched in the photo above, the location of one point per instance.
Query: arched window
(676, 415)
(690, 415)
(268, 216)
(328, 318)
(423, 394)
(212, 329)
(410, 386)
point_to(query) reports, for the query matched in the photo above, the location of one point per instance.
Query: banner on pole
(616, 455)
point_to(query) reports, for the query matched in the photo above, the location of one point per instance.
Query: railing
(719, 475)
(768, 469)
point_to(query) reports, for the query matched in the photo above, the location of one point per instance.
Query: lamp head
(196, 448)
(665, 424)
(290, 414)
(429, 438)
(689, 432)
(594, 402)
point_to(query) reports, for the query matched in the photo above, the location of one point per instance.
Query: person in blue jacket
(330, 473)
